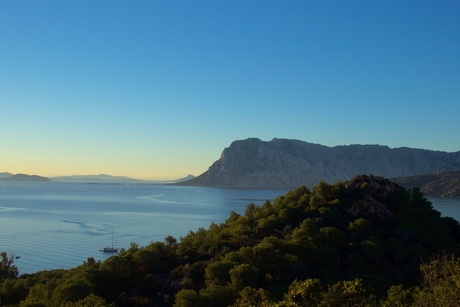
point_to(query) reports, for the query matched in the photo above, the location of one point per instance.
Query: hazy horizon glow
(158, 90)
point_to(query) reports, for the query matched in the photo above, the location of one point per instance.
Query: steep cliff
(291, 163)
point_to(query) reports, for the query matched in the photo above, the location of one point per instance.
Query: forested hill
(367, 242)
(440, 184)
(292, 163)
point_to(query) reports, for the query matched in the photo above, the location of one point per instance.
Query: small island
(24, 177)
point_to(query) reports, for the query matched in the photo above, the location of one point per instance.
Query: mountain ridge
(253, 163)
(23, 177)
(5, 175)
(440, 184)
(95, 178)
(105, 178)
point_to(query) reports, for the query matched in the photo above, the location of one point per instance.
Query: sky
(157, 89)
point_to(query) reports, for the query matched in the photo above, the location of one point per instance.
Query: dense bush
(365, 242)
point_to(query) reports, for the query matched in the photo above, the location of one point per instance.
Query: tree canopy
(363, 242)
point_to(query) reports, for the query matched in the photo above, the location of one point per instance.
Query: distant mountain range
(440, 184)
(21, 177)
(104, 178)
(253, 163)
(94, 178)
(5, 175)
(285, 163)
(101, 178)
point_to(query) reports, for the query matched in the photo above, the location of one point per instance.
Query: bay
(53, 225)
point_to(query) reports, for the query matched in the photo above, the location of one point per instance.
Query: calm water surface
(59, 225)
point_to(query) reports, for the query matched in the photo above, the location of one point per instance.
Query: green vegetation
(365, 242)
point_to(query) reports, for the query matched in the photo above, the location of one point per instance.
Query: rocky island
(253, 163)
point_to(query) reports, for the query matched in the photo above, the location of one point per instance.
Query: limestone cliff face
(291, 163)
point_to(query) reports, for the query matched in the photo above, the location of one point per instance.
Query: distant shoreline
(25, 178)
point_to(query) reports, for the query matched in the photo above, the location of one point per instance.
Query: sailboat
(110, 249)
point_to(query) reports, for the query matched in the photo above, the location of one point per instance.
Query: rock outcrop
(374, 202)
(290, 163)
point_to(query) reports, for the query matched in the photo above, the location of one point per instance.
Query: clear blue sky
(157, 89)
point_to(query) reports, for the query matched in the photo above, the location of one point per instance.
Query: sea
(53, 225)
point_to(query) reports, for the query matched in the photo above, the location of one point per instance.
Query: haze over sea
(54, 225)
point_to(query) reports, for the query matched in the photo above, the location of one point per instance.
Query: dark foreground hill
(291, 163)
(363, 242)
(440, 184)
